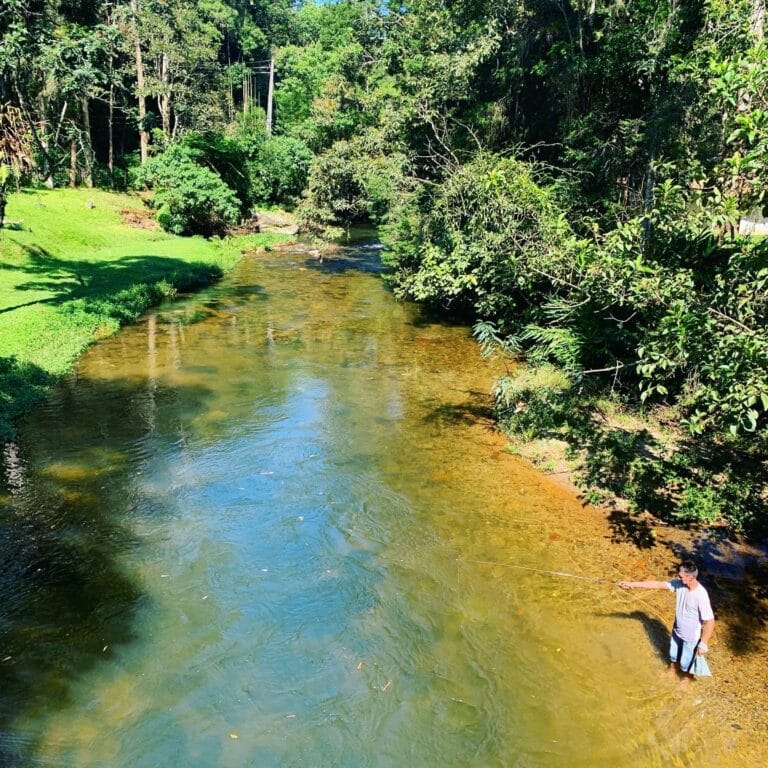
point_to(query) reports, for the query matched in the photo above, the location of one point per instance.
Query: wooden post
(270, 94)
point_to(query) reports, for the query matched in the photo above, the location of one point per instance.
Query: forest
(583, 181)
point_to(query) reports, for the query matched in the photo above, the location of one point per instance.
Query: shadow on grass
(68, 279)
(119, 291)
(68, 605)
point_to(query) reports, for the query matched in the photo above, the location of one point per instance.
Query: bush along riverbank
(76, 265)
(660, 318)
(637, 461)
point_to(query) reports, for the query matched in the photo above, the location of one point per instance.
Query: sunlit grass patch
(73, 271)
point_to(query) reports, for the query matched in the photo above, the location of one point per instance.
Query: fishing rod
(542, 570)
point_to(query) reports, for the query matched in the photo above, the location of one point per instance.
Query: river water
(259, 529)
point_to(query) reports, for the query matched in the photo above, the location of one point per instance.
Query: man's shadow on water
(655, 630)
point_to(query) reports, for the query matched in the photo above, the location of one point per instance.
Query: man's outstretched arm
(644, 584)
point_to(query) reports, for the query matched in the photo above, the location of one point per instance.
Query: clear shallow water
(245, 533)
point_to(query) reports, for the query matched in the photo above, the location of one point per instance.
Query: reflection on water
(256, 530)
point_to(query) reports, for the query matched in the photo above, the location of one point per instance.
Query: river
(259, 528)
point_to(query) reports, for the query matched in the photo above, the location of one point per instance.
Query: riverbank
(643, 462)
(614, 460)
(76, 265)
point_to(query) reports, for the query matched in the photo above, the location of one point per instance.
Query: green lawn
(72, 270)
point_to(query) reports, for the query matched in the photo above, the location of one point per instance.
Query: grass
(72, 271)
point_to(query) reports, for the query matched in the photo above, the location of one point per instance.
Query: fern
(551, 343)
(491, 342)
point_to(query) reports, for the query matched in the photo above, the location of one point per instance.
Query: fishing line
(580, 577)
(542, 570)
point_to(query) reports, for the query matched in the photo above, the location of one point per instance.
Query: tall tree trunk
(757, 21)
(111, 134)
(31, 123)
(648, 192)
(72, 162)
(3, 201)
(87, 145)
(143, 134)
(110, 21)
(46, 169)
(164, 98)
(231, 104)
(270, 94)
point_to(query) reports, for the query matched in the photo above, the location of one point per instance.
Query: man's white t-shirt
(692, 608)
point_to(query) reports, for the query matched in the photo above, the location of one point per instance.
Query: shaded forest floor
(641, 462)
(75, 265)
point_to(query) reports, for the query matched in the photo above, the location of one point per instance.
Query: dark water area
(254, 530)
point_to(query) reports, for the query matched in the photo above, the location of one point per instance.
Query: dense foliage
(190, 198)
(573, 176)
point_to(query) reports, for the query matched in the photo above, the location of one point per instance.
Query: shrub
(228, 157)
(476, 242)
(533, 402)
(190, 199)
(699, 504)
(278, 169)
(352, 182)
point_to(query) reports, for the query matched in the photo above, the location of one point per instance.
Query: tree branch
(728, 319)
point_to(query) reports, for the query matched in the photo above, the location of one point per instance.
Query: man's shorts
(682, 652)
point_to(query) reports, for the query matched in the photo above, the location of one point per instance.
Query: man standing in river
(694, 620)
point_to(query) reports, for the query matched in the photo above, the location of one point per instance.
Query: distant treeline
(569, 175)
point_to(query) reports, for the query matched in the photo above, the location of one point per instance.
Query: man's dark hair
(689, 567)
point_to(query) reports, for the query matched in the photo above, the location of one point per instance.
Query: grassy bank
(77, 264)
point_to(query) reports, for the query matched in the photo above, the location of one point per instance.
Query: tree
(15, 153)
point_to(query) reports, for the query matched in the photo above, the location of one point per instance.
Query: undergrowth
(675, 476)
